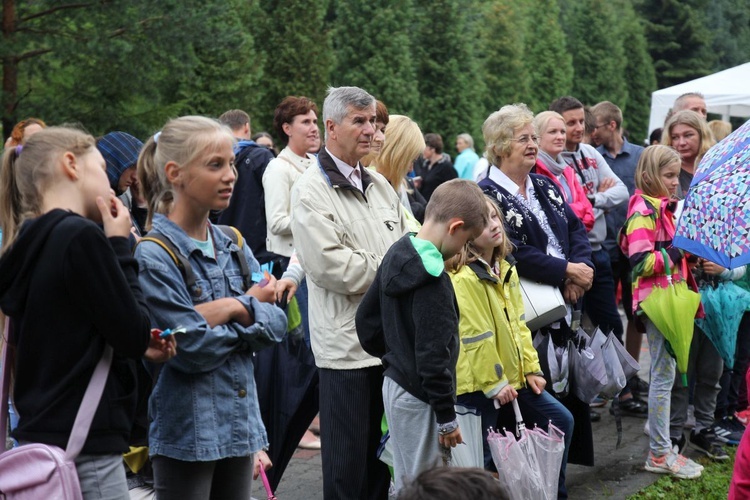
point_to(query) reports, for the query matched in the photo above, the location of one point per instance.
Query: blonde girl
(403, 144)
(70, 289)
(497, 361)
(649, 228)
(205, 422)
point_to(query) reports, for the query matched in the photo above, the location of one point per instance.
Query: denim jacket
(205, 406)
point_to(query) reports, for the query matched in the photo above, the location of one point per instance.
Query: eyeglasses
(525, 139)
(597, 127)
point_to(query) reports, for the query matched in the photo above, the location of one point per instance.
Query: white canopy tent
(727, 93)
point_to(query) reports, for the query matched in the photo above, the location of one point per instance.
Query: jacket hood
(20, 260)
(412, 263)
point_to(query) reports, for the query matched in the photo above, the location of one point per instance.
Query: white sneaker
(676, 465)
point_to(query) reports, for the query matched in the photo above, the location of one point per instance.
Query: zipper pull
(389, 225)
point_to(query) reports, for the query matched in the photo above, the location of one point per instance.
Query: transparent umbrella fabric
(528, 467)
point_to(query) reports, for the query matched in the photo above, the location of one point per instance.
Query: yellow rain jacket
(496, 347)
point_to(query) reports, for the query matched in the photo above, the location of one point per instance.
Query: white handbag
(543, 304)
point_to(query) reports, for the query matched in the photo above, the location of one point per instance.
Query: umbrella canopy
(724, 306)
(528, 467)
(672, 310)
(715, 222)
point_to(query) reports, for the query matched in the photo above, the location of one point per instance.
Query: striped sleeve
(642, 247)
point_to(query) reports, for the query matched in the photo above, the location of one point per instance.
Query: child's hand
(536, 383)
(712, 268)
(265, 293)
(161, 350)
(506, 395)
(284, 285)
(261, 460)
(115, 217)
(451, 440)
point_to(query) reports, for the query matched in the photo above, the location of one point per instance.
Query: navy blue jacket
(247, 209)
(529, 238)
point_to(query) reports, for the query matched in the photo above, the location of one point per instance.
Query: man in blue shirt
(622, 157)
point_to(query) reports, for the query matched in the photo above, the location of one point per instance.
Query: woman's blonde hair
(403, 144)
(470, 253)
(648, 172)
(720, 129)
(29, 170)
(182, 141)
(499, 127)
(541, 121)
(694, 121)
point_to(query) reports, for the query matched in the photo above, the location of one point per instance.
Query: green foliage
(639, 75)
(547, 58)
(450, 85)
(298, 54)
(502, 57)
(729, 21)
(373, 51)
(598, 56)
(132, 64)
(228, 68)
(679, 40)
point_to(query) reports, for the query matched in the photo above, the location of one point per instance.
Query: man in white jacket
(344, 219)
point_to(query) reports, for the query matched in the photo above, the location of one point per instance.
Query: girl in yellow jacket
(497, 361)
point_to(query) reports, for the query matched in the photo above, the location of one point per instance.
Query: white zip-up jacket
(341, 234)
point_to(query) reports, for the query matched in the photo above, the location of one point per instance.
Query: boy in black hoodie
(409, 319)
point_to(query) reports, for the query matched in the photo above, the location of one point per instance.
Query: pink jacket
(579, 203)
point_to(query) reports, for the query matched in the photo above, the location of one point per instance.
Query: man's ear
(331, 129)
(454, 225)
(70, 166)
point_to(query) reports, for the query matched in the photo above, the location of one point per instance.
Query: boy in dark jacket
(409, 319)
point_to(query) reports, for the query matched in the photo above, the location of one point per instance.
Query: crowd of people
(398, 269)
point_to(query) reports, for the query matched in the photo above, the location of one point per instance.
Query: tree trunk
(10, 70)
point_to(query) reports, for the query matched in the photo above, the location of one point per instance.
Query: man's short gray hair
(339, 99)
(467, 138)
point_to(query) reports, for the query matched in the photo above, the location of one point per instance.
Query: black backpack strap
(180, 261)
(234, 234)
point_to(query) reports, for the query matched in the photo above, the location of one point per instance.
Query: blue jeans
(536, 409)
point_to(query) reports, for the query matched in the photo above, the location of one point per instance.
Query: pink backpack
(39, 471)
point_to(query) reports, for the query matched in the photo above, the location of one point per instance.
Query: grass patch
(713, 483)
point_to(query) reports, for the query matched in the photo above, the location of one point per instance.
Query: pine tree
(373, 51)
(640, 78)
(547, 59)
(502, 57)
(598, 55)
(678, 39)
(296, 46)
(450, 85)
(729, 21)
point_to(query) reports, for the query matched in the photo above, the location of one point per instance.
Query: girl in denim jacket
(205, 422)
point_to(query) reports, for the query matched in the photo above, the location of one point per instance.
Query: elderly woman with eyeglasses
(550, 241)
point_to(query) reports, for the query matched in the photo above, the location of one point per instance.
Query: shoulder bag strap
(88, 407)
(4, 385)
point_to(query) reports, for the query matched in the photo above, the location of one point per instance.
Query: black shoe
(595, 417)
(632, 407)
(705, 441)
(678, 445)
(638, 386)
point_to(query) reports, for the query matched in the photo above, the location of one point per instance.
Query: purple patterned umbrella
(715, 221)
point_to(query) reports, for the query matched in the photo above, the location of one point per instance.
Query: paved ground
(617, 474)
